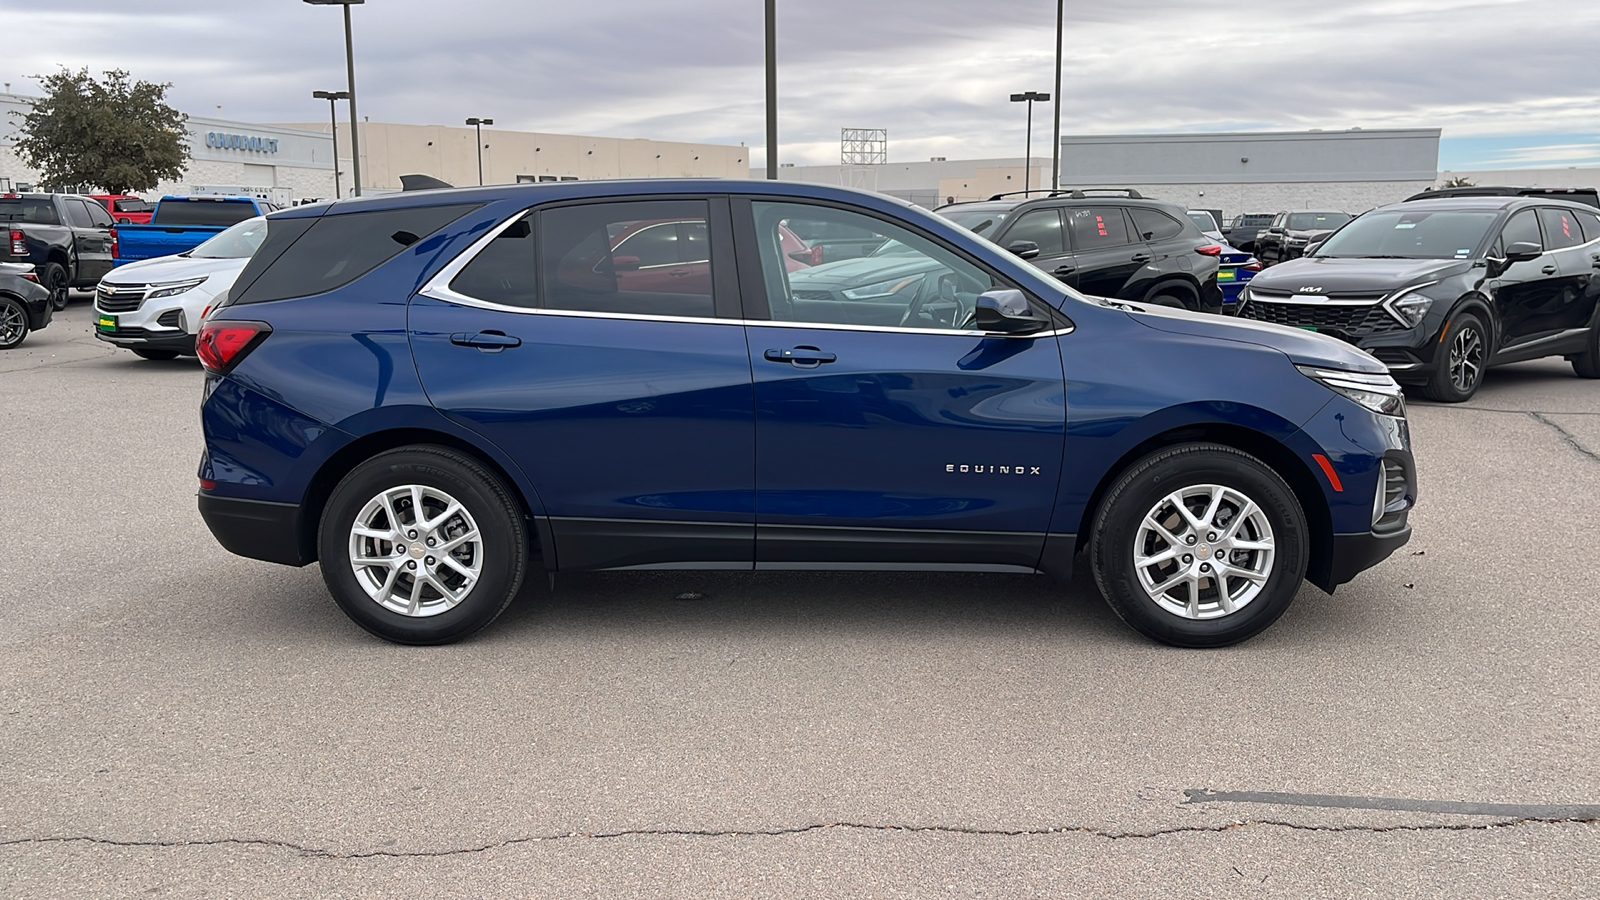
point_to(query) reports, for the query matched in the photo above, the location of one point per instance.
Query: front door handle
(487, 341)
(1141, 257)
(1063, 271)
(802, 357)
(1548, 270)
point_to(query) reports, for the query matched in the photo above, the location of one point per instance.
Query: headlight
(883, 288)
(1410, 307)
(1298, 241)
(1379, 393)
(173, 289)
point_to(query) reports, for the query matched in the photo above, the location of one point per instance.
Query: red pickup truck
(127, 210)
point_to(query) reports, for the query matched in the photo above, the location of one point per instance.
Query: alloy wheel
(416, 550)
(1466, 359)
(13, 324)
(1204, 551)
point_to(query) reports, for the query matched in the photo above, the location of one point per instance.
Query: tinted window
(336, 250)
(1523, 227)
(1412, 233)
(29, 209)
(629, 258)
(923, 284)
(978, 221)
(77, 213)
(1253, 219)
(1591, 225)
(1155, 226)
(204, 212)
(1043, 227)
(1097, 226)
(1316, 221)
(133, 206)
(235, 242)
(506, 271)
(1202, 220)
(1561, 228)
(97, 214)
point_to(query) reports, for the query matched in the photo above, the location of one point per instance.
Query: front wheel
(1457, 376)
(422, 545)
(1199, 545)
(13, 323)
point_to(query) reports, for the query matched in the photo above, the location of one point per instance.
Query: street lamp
(772, 89)
(1055, 147)
(333, 121)
(1027, 161)
(478, 124)
(350, 66)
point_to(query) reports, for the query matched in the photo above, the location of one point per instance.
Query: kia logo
(1311, 290)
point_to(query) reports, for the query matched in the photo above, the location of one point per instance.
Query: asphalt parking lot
(181, 722)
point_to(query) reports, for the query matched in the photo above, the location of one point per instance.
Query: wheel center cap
(1203, 551)
(416, 550)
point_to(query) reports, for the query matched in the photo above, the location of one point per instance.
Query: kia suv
(1440, 290)
(1106, 243)
(1292, 232)
(431, 393)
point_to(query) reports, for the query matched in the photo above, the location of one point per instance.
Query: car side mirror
(625, 263)
(1008, 312)
(1523, 251)
(1023, 249)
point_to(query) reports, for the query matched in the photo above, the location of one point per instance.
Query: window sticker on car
(1401, 225)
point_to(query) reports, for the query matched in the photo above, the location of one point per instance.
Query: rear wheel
(156, 354)
(1457, 376)
(422, 545)
(1169, 298)
(55, 278)
(1199, 545)
(13, 323)
(1587, 363)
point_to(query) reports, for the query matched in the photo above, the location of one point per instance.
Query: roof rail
(1021, 193)
(1083, 193)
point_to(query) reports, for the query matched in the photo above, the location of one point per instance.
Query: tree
(1458, 181)
(115, 133)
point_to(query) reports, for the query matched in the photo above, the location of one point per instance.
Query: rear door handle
(487, 341)
(1063, 271)
(803, 357)
(1141, 257)
(1548, 270)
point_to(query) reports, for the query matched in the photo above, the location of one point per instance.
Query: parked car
(1242, 232)
(66, 237)
(1208, 223)
(180, 224)
(1588, 196)
(154, 307)
(1439, 290)
(428, 434)
(25, 305)
(126, 209)
(1236, 270)
(1119, 245)
(1290, 232)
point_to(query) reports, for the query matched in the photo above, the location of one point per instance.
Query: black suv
(1440, 289)
(1587, 196)
(1108, 244)
(1291, 232)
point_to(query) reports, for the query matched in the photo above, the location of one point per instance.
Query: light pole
(478, 124)
(772, 89)
(1027, 161)
(1055, 146)
(350, 67)
(333, 122)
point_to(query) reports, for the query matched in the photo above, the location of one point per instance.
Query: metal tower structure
(863, 146)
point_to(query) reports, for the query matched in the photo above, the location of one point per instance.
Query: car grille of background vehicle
(126, 299)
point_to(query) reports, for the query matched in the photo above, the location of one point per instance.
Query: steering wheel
(947, 289)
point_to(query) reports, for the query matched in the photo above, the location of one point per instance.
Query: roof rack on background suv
(1075, 193)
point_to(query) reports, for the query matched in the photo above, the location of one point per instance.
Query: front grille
(123, 298)
(1395, 502)
(814, 295)
(170, 319)
(1348, 321)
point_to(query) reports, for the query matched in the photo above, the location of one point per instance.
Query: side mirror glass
(1023, 249)
(1008, 312)
(1523, 251)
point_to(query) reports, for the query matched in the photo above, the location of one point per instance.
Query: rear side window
(333, 251)
(1043, 227)
(204, 212)
(1561, 228)
(1591, 225)
(1097, 226)
(1155, 226)
(644, 258)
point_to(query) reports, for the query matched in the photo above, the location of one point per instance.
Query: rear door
(626, 404)
(1572, 304)
(1105, 249)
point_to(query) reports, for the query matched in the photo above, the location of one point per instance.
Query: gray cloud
(936, 73)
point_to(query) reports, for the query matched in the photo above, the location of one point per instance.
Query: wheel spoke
(1177, 502)
(1224, 598)
(388, 510)
(1170, 583)
(386, 591)
(442, 518)
(455, 542)
(1251, 545)
(361, 531)
(1211, 510)
(1170, 536)
(1245, 512)
(414, 602)
(416, 506)
(453, 563)
(1172, 552)
(1194, 598)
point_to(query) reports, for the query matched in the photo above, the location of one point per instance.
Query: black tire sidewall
(26, 329)
(499, 521)
(1155, 477)
(1587, 364)
(50, 281)
(1441, 388)
(156, 354)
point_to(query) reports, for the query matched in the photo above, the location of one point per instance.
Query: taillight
(116, 245)
(1252, 267)
(816, 255)
(221, 345)
(19, 243)
(1212, 250)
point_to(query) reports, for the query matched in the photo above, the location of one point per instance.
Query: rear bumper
(256, 529)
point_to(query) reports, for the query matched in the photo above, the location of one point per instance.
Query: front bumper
(1353, 554)
(135, 338)
(257, 529)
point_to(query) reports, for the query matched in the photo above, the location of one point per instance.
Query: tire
(1459, 374)
(1249, 503)
(1587, 363)
(1169, 299)
(386, 598)
(156, 354)
(13, 323)
(55, 278)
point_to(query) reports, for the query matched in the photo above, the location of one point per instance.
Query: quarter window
(645, 258)
(1043, 227)
(1093, 227)
(1155, 226)
(1561, 228)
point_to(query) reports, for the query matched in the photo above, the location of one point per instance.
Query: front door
(1106, 251)
(916, 443)
(626, 405)
(1529, 295)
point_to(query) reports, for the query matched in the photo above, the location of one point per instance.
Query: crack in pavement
(1569, 437)
(322, 853)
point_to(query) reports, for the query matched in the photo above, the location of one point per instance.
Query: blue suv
(431, 392)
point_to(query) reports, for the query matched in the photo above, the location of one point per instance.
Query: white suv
(153, 307)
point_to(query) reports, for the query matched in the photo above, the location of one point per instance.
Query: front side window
(921, 284)
(1522, 229)
(98, 215)
(77, 213)
(1561, 228)
(1093, 227)
(1043, 227)
(644, 258)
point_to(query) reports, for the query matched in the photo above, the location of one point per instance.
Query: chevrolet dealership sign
(241, 142)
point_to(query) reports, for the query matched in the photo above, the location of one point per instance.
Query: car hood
(1302, 347)
(865, 270)
(1366, 275)
(174, 268)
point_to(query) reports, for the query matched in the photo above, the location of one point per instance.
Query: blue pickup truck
(181, 224)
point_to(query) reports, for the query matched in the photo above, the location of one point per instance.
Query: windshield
(977, 221)
(1202, 219)
(1316, 221)
(1411, 234)
(237, 242)
(894, 248)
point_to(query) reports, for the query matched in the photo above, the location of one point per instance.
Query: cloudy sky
(1513, 83)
